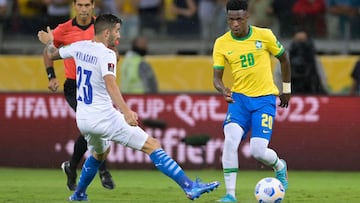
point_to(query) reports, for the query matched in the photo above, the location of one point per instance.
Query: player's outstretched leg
(88, 172)
(168, 166)
(105, 177)
(282, 175)
(198, 188)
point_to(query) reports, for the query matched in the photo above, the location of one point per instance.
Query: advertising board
(314, 133)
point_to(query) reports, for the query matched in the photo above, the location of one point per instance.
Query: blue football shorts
(252, 113)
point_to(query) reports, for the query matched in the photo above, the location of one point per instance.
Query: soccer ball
(269, 190)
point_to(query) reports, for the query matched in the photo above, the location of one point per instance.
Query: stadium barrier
(174, 73)
(314, 133)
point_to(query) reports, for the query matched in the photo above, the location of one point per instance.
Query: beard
(113, 42)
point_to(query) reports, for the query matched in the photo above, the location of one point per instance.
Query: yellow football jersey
(249, 59)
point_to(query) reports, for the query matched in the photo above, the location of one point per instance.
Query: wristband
(50, 72)
(286, 87)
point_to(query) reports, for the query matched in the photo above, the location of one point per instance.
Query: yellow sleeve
(274, 46)
(218, 56)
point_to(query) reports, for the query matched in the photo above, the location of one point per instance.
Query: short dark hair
(105, 21)
(237, 5)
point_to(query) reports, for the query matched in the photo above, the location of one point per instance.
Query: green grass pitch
(48, 185)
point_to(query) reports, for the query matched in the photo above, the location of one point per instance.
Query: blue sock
(169, 167)
(88, 172)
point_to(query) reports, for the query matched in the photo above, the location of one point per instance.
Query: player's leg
(233, 134)
(80, 147)
(136, 138)
(169, 167)
(236, 125)
(262, 125)
(99, 148)
(260, 151)
(88, 172)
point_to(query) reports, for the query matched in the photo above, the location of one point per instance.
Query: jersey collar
(74, 23)
(242, 38)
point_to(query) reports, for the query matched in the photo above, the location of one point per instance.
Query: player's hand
(284, 100)
(228, 96)
(45, 37)
(53, 84)
(131, 118)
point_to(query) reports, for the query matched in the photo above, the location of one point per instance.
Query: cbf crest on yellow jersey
(249, 60)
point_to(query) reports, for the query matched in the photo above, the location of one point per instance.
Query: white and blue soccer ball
(269, 190)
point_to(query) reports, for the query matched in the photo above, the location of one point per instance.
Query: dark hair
(105, 21)
(237, 5)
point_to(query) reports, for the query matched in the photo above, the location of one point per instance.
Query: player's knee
(154, 143)
(101, 157)
(230, 144)
(258, 148)
(233, 134)
(151, 145)
(257, 152)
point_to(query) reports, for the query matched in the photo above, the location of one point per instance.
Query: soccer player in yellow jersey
(251, 101)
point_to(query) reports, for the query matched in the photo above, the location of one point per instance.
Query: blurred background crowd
(198, 20)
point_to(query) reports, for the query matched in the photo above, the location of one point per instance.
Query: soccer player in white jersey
(103, 116)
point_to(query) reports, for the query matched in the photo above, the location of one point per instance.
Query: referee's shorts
(70, 92)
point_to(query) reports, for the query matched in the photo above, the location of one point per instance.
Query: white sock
(233, 134)
(278, 165)
(230, 183)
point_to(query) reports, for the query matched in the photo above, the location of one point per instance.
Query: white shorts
(100, 130)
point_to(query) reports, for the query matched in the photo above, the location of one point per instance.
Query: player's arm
(52, 52)
(118, 100)
(286, 79)
(219, 85)
(218, 72)
(277, 49)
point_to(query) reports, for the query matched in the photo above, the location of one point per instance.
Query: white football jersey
(93, 61)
